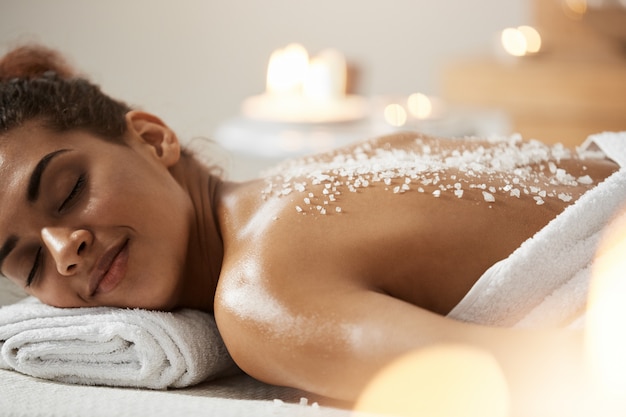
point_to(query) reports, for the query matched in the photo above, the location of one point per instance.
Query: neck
(205, 249)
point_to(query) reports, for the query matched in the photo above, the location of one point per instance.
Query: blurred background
(443, 67)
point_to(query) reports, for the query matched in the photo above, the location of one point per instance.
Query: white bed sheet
(236, 396)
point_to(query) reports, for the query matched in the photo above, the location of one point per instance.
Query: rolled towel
(112, 346)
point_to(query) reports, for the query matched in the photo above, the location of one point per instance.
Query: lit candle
(520, 41)
(420, 106)
(303, 90)
(287, 69)
(326, 76)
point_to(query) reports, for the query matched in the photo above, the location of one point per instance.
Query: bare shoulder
(380, 214)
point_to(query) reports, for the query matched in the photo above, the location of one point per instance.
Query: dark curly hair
(37, 84)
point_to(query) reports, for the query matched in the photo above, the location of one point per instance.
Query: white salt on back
(507, 166)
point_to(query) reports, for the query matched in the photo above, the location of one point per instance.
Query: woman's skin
(317, 302)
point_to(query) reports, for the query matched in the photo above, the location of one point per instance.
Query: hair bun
(33, 61)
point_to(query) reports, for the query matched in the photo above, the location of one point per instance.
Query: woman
(318, 275)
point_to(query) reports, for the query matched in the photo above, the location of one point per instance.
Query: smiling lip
(110, 270)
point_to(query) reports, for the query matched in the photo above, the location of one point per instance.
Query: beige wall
(193, 61)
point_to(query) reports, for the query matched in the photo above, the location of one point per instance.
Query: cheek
(54, 294)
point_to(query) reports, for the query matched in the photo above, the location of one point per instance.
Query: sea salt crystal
(396, 189)
(515, 192)
(299, 209)
(564, 178)
(338, 209)
(539, 200)
(552, 167)
(585, 180)
(458, 193)
(565, 197)
(307, 200)
(406, 187)
(488, 197)
(437, 193)
(304, 401)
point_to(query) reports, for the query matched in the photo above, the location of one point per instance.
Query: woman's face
(86, 222)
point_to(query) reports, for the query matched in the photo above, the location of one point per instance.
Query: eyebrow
(32, 193)
(8, 246)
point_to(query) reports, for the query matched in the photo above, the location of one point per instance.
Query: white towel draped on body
(111, 346)
(545, 281)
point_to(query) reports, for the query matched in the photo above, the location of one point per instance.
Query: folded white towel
(545, 281)
(111, 346)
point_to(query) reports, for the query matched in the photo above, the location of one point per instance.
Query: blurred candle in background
(305, 89)
(420, 106)
(287, 69)
(326, 76)
(520, 41)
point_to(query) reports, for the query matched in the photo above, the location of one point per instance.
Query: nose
(67, 247)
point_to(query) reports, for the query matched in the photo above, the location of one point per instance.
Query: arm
(334, 345)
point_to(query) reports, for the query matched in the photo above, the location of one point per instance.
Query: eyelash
(78, 187)
(76, 190)
(33, 272)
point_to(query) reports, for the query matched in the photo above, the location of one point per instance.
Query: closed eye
(36, 265)
(75, 192)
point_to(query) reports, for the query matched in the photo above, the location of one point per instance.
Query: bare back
(422, 235)
(336, 265)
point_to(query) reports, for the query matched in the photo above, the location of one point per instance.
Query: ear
(150, 130)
